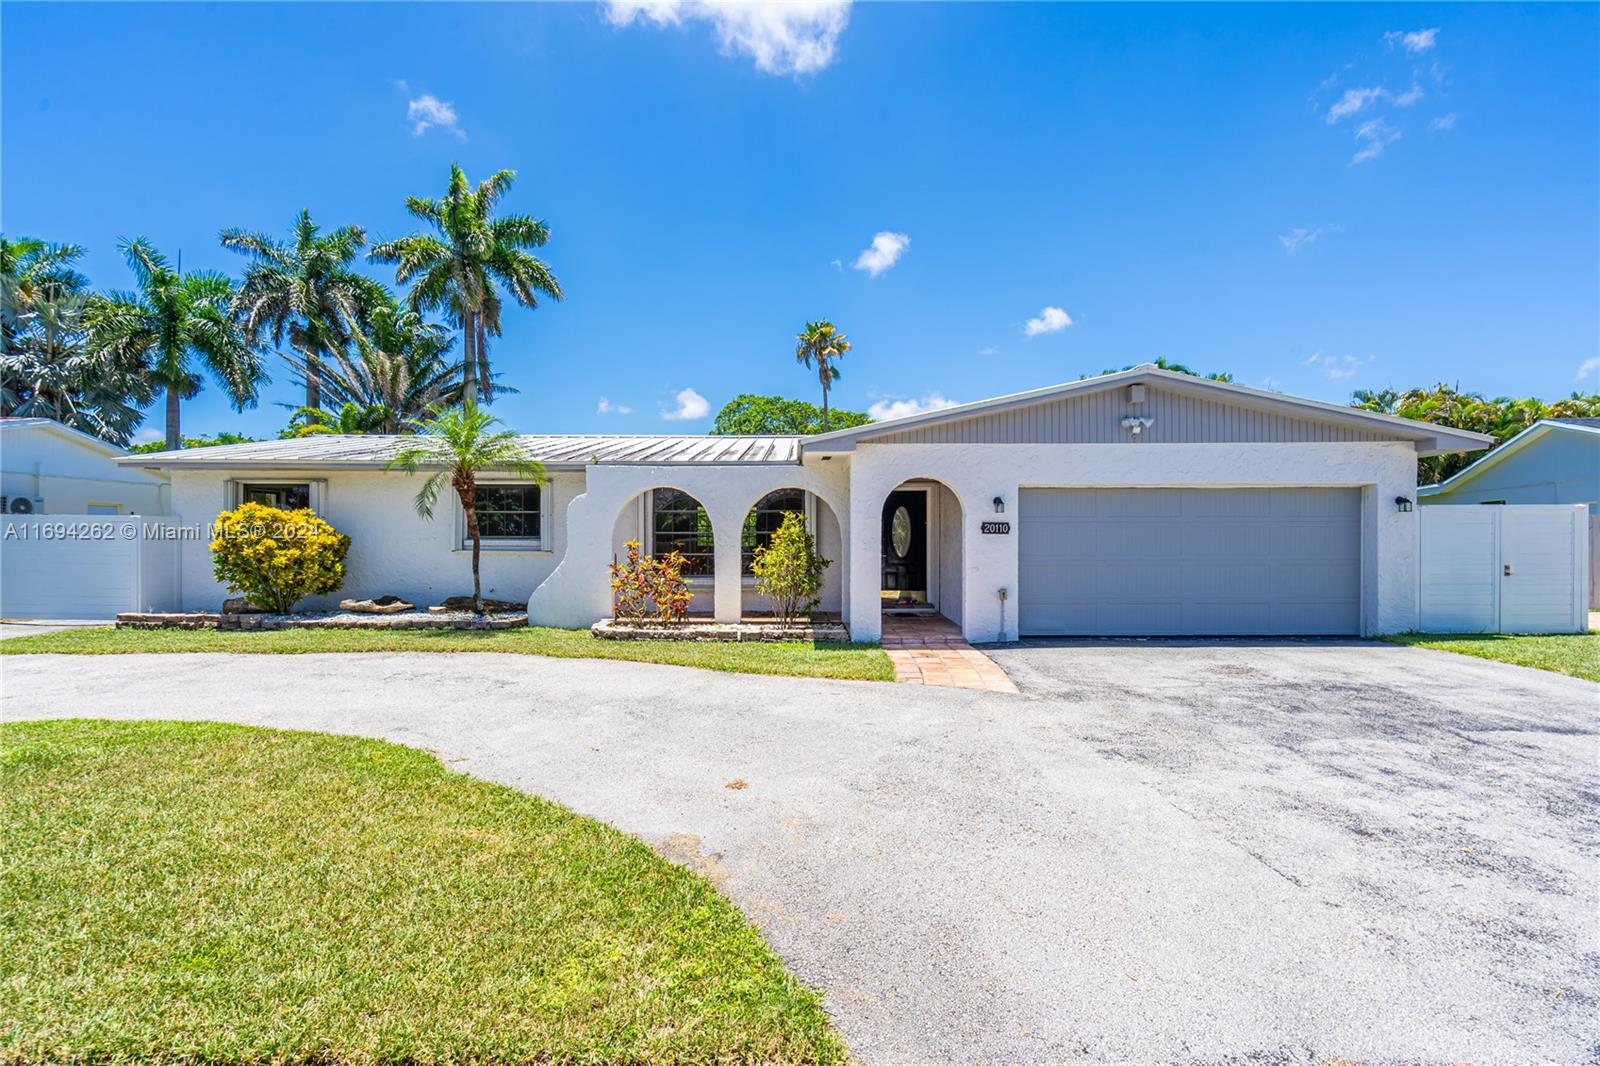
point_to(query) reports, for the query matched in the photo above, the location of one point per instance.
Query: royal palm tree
(458, 444)
(174, 326)
(303, 287)
(454, 270)
(822, 343)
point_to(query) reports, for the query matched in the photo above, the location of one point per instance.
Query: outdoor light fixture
(1402, 504)
(999, 505)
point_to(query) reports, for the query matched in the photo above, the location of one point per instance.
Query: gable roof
(1429, 439)
(1540, 429)
(569, 452)
(62, 430)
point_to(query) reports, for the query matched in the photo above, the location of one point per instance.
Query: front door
(905, 546)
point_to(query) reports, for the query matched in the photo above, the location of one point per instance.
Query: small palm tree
(304, 288)
(822, 343)
(454, 269)
(458, 444)
(168, 325)
(349, 419)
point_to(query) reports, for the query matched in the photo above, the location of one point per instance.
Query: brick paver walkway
(930, 650)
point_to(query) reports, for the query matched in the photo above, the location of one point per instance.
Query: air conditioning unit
(24, 505)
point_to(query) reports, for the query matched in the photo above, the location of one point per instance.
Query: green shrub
(789, 570)
(276, 558)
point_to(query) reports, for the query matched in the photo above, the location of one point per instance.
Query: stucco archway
(665, 518)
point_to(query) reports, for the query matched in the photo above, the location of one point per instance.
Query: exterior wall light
(999, 505)
(1402, 504)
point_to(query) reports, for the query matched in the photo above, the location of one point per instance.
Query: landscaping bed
(858, 662)
(182, 893)
(736, 632)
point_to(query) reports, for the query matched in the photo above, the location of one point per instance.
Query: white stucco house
(50, 468)
(1143, 502)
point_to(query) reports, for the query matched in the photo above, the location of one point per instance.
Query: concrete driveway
(1160, 852)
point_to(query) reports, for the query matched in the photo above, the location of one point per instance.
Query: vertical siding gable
(1096, 418)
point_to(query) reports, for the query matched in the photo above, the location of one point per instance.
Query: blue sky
(1315, 198)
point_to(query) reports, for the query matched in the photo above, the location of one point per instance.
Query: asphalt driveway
(1160, 852)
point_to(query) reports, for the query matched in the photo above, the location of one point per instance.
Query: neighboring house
(1141, 502)
(50, 468)
(1556, 460)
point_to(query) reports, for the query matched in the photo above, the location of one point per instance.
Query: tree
(458, 444)
(171, 323)
(33, 272)
(398, 363)
(216, 441)
(1445, 405)
(822, 343)
(304, 288)
(789, 570)
(454, 270)
(750, 414)
(1163, 363)
(349, 419)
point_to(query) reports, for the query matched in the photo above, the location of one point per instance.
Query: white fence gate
(87, 566)
(1516, 568)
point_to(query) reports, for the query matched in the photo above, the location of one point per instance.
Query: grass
(861, 662)
(195, 892)
(1577, 654)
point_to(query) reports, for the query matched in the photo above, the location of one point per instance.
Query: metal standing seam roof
(366, 450)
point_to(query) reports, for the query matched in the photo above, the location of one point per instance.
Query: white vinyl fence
(87, 566)
(1515, 568)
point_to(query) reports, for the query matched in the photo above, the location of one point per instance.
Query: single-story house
(1140, 502)
(50, 468)
(1555, 460)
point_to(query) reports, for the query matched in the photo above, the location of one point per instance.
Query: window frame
(540, 543)
(746, 557)
(316, 487)
(696, 580)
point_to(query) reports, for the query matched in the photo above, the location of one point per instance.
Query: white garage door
(68, 566)
(1189, 562)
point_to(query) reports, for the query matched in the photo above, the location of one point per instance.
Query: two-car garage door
(1156, 562)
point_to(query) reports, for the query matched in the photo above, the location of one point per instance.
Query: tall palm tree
(454, 270)
(458, 444)
(50, 371)
(174, 325)
(33, 272)
(822, 343)
(303, 287)
(399, 365)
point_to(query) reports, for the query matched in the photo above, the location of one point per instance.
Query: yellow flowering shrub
(276, 558)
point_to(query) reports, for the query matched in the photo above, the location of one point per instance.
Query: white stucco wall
(578, 591)
(392, 549)
(979, 472)
(69, 474)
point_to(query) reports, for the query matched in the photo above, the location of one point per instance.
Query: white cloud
(1444, 123)
(1299, 237)
(885, 252)
(148, 434)
(1409, 97)
(837, 265)
(1050, 320)
(889, 408)
(1353, 102)
(1587, 367)
(1374, 134)
(1337, 367)
(782, 36)
(1413, 41)
(988, 349)
(428, 111)
(691, 405)
(606, 407)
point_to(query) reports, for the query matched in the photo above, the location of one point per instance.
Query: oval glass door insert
(900, 532)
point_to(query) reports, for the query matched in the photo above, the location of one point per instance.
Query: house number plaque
(994, 527)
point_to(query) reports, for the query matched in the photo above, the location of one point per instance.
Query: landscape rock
(239, 605)
(380, 605)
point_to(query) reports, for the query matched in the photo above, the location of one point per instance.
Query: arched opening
(921, 553)
(666, 519)
(763, 520)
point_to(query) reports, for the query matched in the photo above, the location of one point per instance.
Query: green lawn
(186, 893)
(1577, 654)
(864, 662)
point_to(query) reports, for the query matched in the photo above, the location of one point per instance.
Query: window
(103, 508)
(763, 521)
(679, 523)
(290, 497)
(509, 514)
